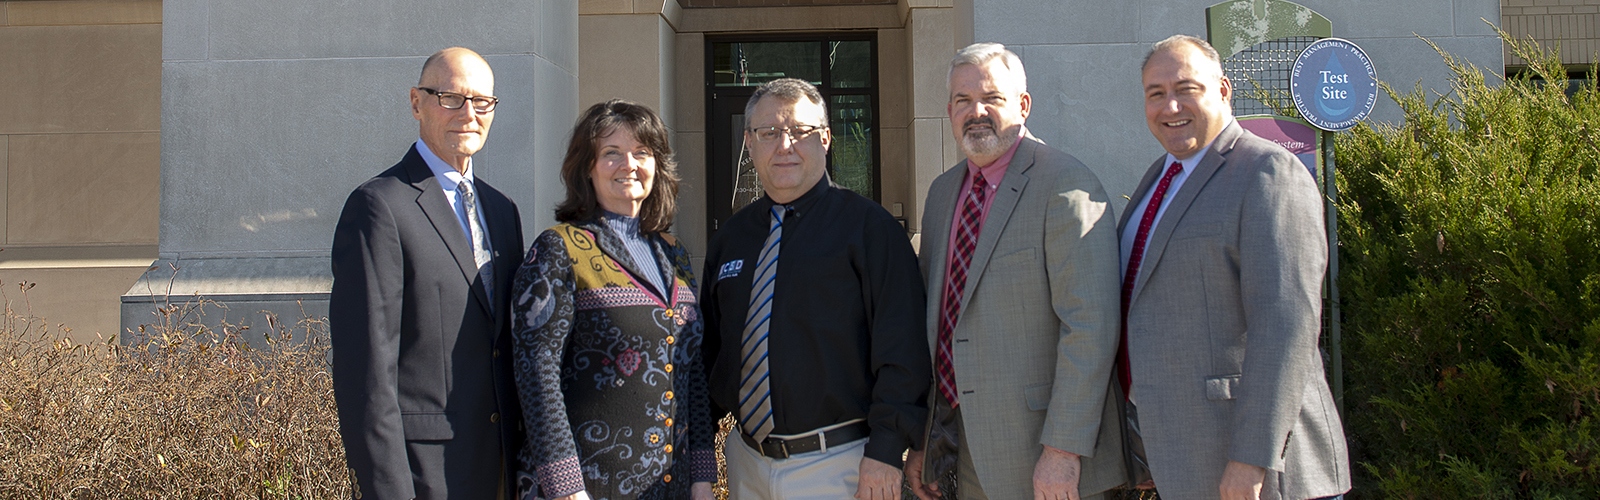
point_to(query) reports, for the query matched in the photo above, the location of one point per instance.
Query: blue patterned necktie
(755, 398)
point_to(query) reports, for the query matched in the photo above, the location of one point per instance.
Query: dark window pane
(750, 64)
(853, 143)
(851, 64)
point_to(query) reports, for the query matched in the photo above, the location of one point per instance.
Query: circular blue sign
(1333, 84)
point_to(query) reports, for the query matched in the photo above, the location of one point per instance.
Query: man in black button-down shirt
(846, 345)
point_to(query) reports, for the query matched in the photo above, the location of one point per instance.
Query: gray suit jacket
(1223, 326)
(1033, 347)
(421, 357)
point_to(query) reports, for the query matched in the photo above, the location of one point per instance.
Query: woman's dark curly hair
(601, 120)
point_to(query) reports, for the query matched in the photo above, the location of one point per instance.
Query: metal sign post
(1334, 87)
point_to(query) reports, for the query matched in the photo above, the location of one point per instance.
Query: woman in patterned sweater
(607, 327)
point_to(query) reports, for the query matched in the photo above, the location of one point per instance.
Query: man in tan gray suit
(1019, 253)
(1224, 253)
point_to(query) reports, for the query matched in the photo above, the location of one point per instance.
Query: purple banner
(1294, 134)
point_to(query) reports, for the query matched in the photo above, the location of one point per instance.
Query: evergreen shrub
(1470, 285)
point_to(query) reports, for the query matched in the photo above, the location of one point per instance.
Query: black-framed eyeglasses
(452, 100)
(796, 133)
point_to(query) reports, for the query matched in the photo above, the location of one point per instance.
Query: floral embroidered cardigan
(610, 374)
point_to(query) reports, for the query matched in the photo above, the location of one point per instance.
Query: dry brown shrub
(182, 410)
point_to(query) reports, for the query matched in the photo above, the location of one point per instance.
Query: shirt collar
(805, 201)
(448, 177)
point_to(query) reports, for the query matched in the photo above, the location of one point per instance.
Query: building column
(272, 112)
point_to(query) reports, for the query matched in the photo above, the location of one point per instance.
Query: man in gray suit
(1224, 252)
(423, 258)
(1018, 251)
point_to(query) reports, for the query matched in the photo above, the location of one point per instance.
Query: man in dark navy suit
(422, 263)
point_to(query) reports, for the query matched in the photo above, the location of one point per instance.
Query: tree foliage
(1471, 288)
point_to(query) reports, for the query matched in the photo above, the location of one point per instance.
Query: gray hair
(979, 54)
(788, 89)
(1175, 41)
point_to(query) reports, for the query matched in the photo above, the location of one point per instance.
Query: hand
(1242, 481)
(701, 491)
(879, 481)
(1056, 475)
(913, 470)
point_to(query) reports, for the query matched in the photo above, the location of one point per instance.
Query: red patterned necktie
(956, 281)
(1136, 257)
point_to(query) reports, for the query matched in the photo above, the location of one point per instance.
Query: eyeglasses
(796, 133)
(452, 100)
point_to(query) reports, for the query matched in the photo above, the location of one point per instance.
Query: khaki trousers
(820, 475)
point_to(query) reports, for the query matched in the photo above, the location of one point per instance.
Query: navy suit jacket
(421, 372)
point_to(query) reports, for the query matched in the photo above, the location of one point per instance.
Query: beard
(984, 142)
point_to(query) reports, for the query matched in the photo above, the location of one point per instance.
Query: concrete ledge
(239, 290)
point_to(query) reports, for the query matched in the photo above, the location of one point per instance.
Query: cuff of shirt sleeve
(886, 447)
(561, 478)
(703, 466)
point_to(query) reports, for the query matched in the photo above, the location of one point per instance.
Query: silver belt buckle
(822, 438)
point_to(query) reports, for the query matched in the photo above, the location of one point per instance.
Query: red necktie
(956, 281)
(1136, 257)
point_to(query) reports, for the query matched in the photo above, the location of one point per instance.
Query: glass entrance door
(844, 69)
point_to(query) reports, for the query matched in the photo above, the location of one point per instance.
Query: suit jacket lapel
(504, 233)
(940, 210)
(1208, 167)
(443, 217)
(1138, 194)
(1005, 201)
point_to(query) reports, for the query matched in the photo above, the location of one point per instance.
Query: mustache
(972, 122)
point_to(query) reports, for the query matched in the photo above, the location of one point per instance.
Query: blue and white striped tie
(755, 398)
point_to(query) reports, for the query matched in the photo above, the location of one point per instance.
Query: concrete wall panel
(79, 78)
(185, 35)
(557, 110)
(1096, 116)
(70, 12)
(259, 155)
(5, 169)
(558, 33)
(298, 29)
(621, 58)
(65, 189)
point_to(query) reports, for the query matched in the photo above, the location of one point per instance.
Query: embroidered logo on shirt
(730, 269)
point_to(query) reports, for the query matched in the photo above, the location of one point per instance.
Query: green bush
(1471, 288)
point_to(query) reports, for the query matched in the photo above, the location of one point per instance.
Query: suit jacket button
(667, 395)
(666, 478)
(494, 418)
(669, 313)
(496, 353)
(667, 448)
(671, 340)
(668, 368)
(668, 422)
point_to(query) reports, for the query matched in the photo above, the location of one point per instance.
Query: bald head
(449, 58)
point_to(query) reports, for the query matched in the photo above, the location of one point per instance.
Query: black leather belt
(784, 448)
